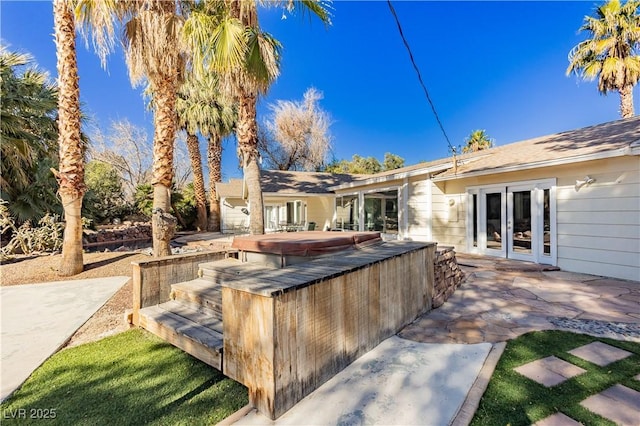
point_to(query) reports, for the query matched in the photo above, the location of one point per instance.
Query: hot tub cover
(305, 243)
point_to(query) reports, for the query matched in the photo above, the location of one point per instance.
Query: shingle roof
(231, 189)
(289, 182)
(566, 146)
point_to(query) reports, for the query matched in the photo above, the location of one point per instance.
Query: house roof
(289, 183)
(278, 182)
(231, 189)
(615, 138)
(610, 139)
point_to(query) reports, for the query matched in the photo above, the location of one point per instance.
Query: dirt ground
(110, 319)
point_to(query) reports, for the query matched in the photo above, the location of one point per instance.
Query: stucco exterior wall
(320, 210)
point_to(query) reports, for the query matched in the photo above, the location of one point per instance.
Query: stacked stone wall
(447, 275)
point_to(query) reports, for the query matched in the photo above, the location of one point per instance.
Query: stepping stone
(557, 419)
(619, 404)
(599, 353)
(549, 371)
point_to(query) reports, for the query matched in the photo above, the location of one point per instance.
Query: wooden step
(197, 340)
(201, 293)
(229, 269)
(196, 313)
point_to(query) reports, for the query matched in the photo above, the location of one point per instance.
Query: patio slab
(549, 371)
(619, 404)
(557, 419)
(600, 353)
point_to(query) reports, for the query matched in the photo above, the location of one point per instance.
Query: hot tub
(288, 248)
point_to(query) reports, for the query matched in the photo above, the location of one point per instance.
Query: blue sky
(498, 66)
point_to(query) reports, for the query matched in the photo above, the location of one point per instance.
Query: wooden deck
(283, 332)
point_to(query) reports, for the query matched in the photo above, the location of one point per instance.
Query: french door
(515, 221)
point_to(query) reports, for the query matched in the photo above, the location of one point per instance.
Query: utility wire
(415, 66)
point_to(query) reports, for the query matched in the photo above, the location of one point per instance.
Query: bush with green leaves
(104, 200)
(183, 203)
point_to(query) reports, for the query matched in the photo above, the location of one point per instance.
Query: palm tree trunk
(198, 181)
(214, 161)
(626, 101)
(247, 134)
(71, 148)
(163, 139)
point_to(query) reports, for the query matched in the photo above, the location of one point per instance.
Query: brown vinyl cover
(305, 243)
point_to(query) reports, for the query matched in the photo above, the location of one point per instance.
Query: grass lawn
(130, 378)
(514, 399)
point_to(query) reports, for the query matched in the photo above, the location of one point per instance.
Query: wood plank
(339, 360)
(210, 299)
(374, 318)
(196, 314)
(323, 331)
(199, 342)
(249, 345)
(288, 390)
(306, 338)
(385, 327)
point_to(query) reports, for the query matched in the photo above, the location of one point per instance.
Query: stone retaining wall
(125, 232)
(448, 275)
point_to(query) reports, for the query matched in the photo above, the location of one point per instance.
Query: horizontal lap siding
(232, 217)
(449, 222)
(418, 210)
(599, 225)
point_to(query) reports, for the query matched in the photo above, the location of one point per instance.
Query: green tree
(392, 161)
(104, 199)
(610, 54)
(246, 58)
(71, 145)
(202, 109)
(155, 54)
(476, 141)
(365, 165)
(29, 138)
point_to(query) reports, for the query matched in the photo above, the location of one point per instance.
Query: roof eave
(547, 163)
(395, 176)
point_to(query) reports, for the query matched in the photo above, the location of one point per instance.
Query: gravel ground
(110, 319)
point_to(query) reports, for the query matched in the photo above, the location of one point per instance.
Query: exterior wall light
(586, 181)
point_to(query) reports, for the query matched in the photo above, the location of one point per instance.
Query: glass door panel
(521, 231)
(494, 221)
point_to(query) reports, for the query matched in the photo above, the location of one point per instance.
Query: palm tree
(476, 141)
(153, 53)
(71, 146)
(247, 59)
(29, 137)
(202, 109)
(611, 52)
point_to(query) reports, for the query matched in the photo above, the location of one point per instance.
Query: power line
(415, 66)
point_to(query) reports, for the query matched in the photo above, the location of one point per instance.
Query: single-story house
(570, 199)
(292, 200)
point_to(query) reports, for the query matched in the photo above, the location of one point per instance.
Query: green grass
(130, 378)
(512, 399)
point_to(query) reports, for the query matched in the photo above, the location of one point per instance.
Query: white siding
(449, 220)
(599, 225)
(418, 214)
(232, 218)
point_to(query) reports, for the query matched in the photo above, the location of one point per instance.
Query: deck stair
(192, 319)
